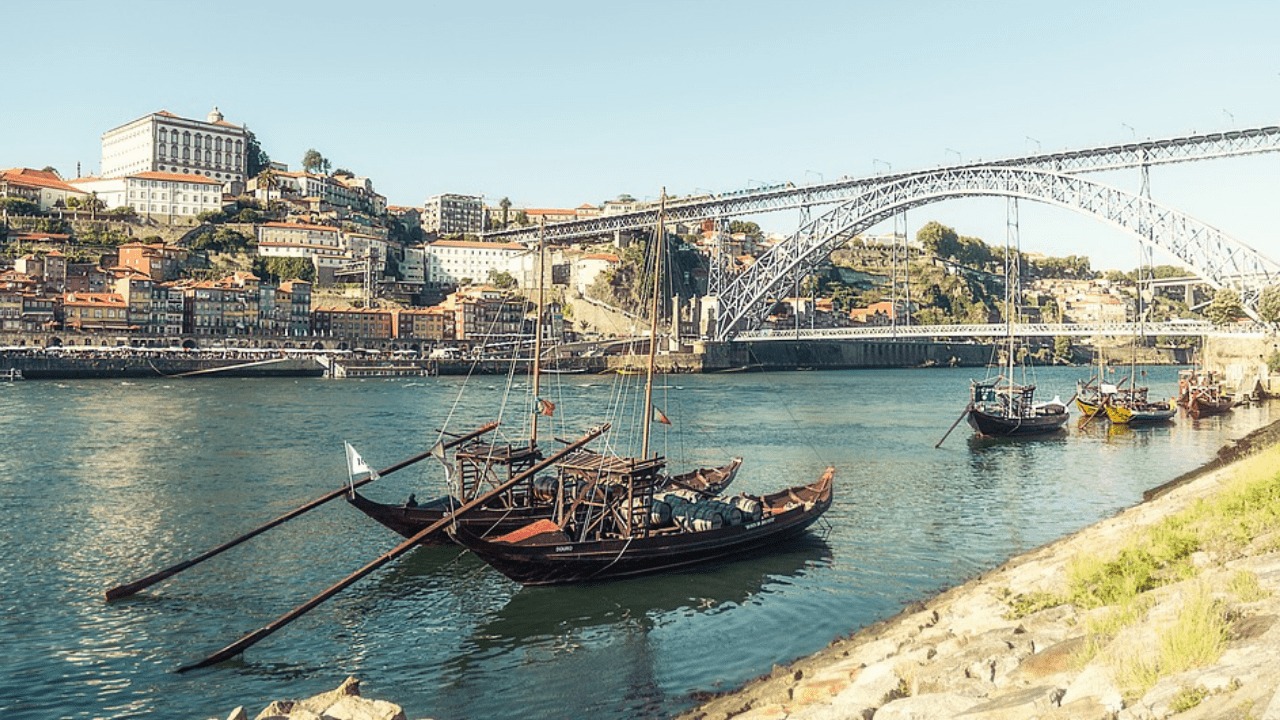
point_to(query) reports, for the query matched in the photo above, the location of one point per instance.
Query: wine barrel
(693, 517)
(752, 509)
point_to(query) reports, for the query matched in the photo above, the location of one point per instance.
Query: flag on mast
(659, 416)
(546, 407)
(356, 465)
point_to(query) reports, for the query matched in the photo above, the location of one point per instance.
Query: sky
(556, 104)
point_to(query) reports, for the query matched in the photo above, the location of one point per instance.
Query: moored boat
(999, 407)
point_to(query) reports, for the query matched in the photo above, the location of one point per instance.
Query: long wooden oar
(967, 408)
(121, 591)
(252, 638)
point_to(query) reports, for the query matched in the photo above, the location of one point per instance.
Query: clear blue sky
(554, 104)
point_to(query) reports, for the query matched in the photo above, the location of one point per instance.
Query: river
(106, 481)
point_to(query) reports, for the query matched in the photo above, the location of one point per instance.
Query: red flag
(546, 407)
(659, 416)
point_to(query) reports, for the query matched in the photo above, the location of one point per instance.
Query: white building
(451, 213)
(449, 262)
(156, 194)
(164, 142)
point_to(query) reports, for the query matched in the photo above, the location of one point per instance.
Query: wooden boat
(1200, 392)
(1089, 398)
(613, 518)
(599, 539)
(1131, 407)
(999, 407)
(514, 510)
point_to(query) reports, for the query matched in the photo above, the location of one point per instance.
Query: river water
(102, 482)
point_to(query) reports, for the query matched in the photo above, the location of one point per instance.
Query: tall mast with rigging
(536, 370)
(660, 240)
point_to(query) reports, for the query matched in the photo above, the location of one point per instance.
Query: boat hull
(999, 426)
(1088, 407)
(487, 521)
(1122, 415)
(1200, 407)
(557, 561)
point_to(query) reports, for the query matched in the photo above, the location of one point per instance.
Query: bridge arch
(1218, 259)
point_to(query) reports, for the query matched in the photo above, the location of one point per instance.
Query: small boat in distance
(1201, 393)
(1000, 407)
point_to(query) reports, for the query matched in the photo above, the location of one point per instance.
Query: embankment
(1168, 608)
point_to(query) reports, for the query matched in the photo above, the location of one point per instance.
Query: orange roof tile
(300, 226)
(36, 178)
(176, 177)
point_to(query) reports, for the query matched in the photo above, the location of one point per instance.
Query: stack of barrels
(693, 514)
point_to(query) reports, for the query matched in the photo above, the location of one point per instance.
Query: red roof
(36, 178)
(476, 245)
(300, 226)
(176, 177)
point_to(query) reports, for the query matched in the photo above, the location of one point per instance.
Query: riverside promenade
(1168, 608)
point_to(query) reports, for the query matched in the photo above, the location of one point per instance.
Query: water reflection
(538, 613)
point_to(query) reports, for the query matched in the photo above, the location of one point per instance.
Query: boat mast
(1011, 283)
(537, 340)
(660, 242)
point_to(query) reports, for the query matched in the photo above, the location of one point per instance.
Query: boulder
(928, 706)
(358, 708)
(278, 710)
(1095, 682)
(319, 703)
(238, 714)
(1015, 705)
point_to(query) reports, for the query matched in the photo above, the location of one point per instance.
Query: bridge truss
(789, 196)
(1210, 253)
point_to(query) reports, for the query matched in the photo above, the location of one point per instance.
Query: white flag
(356, 464)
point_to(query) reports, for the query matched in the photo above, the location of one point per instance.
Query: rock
(929, 706)
(873, 687)
(1082, 709)
(278, 710)
(358, 708)
(305, 714)
(1053, 660)
(1015, 705)
(238, 714)
(1095, 682)
(766, 712)
(319, 703)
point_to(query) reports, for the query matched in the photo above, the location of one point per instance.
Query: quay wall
(835, 354)
(52, 367)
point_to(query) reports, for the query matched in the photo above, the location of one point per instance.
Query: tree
(501, 279)
(313, 161)
(1269, 304)
(505, 204)
(51, 169)
(18, 206)
(343, 172)
(750, 229)
(939, 239)
(287, 268)
(1225, 307)
(255, 158)
(1062, 348)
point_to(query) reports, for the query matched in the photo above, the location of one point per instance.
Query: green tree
(18, 206)
(313, 161)
(939, 239)
(750, 229)
(1269, 304)
(1062, 348)
(255, 158)
(505, 204)
(124, 212)
(287, 268)
(501, 279)
(1225, 307)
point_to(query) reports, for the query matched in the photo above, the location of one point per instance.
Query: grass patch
(1198, 636)
(1245, 586)
(1187, 698)
(1024, 604)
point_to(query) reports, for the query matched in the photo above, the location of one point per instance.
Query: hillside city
(191, 229)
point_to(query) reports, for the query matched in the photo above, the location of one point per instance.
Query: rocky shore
(1167, 609)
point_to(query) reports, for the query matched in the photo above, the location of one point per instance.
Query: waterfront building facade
(368, 323)
(157, 261)
(95, 312)
(164, 142)
(450, 263)
(451, 213)
(433, 324)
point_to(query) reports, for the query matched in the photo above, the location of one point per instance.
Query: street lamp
(957, 154)
(888, 166)
(1037, 142)
(1230, 117)
(815, 172)
(1131, 130)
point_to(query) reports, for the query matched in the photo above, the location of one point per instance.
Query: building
(155, 194)
(157, 261)
(484, 315)
(433, 324)
(163, 142)
(588, 267)
(353, 323)
(453, 214)
(295, 297)
(42, 188)
(450, 263)
(321, 244)
(95, 312)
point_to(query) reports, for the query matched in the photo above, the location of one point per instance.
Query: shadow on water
(535, 613)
